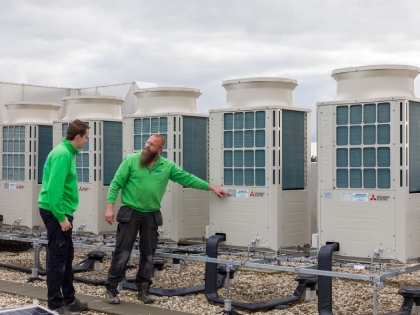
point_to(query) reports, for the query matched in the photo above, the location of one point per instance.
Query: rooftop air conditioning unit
(260, 153)
(369, 163)
(172, 113)
(98, 161)
(27, 137)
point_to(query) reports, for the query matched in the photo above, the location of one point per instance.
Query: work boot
(77, 306)
(144, 294)
(64, 311)
(111, 296)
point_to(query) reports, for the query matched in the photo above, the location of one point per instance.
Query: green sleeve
(184, 178)
(59, 168)
(119, 180)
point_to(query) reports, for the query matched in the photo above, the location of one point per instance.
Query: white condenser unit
(369, 164)
(27, 137)
(99, 159)
(260, 153)
(172, 113)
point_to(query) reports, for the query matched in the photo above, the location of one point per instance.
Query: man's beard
(147, 157)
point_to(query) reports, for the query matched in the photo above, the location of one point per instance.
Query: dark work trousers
(59, 261)
(144, 224)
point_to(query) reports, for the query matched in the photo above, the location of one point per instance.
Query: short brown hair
(76, 127)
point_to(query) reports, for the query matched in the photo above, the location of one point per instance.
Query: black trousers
(60, 256)
(144, 224)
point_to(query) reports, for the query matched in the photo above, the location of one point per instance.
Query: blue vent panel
(342, 136)
(238, 119)
(384, 134)
(355, 157)
(146, 125)
(14, 144)
(293, 154)
(112, 149)
(355, 178)
(384, 112)
(249, 120)
(342, 178)
(194, 145)
(369, 157)
(260, 120)
(355, 114)
(384, 178)
(163, 125)
(259, 177)
(244, 130)
(249, 138)
(342, 158)
(248, 158)
(238, 158)
(228, 176)
(369, 134)
(414, 145)
(137, 126)
(238, 139)
(228, 159)
(228, 139)
(369, 178)
(155, 125)
(44, 147)
(342, 115)
(355, 135)
(249, 177)
(238, 177)
(384, 157)
(260, 138)
(260, 158)
(369, 113)
(357, 125)
(228, 121)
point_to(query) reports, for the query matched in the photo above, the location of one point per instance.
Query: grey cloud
(200, 44)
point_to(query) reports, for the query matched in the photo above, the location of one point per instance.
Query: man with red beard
(143, 177)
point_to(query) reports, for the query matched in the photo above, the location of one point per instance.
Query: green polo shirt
(143, 188)
(59, 192)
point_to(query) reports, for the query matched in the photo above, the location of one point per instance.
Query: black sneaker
(64, 311)
(111, 296)
(77, 306)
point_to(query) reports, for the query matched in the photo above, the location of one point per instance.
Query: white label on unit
(345, 196)
(360, 197)
(328, 195)
(232, 192)
(242, 193)
(12, 186)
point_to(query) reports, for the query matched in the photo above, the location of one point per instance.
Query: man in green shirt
(143, 178)
(58, 200)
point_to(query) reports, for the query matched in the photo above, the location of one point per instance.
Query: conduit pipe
(325, 282)
(174, 292)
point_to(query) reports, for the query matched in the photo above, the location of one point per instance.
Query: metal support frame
(376, 280)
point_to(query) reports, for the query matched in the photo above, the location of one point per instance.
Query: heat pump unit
(99, 159)
(172, 113)
(369, 163)
(260, 153)
(27, 136)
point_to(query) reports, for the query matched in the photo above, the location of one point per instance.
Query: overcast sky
(199, 44)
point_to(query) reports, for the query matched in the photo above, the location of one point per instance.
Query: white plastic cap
(249, 92)
(375, 81)
(167, 100)
(92, 107)
(31, 112)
